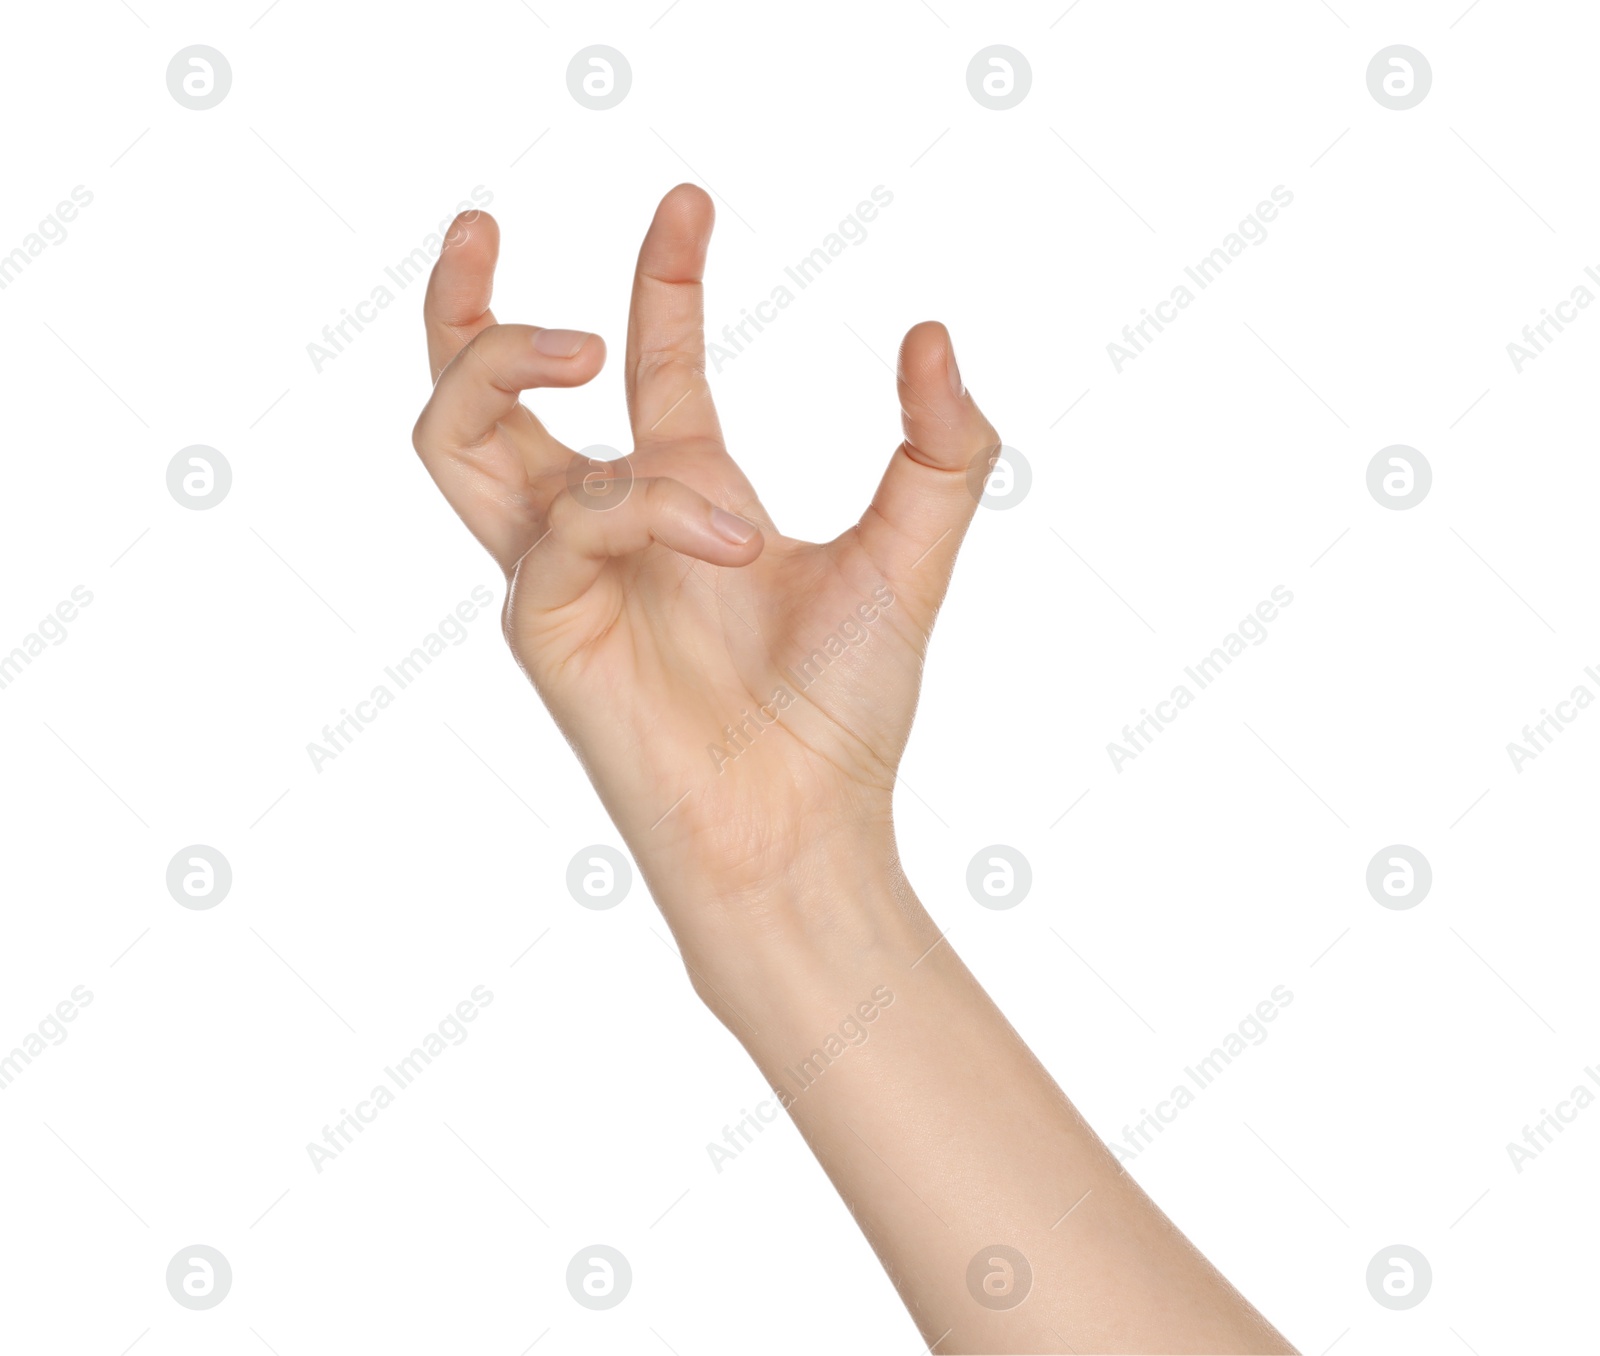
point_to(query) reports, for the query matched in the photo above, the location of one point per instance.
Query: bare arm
(1005, 1223)
(741, 700)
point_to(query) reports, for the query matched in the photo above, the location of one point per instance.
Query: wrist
(795, 945)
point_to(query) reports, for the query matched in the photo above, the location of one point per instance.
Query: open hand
(741, 699)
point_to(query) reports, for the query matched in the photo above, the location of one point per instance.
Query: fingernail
(731, 528)
(956, 384)
(559, 343)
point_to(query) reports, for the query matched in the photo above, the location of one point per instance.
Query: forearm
(946, 1137)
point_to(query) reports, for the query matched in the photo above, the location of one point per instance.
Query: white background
(1227, 459)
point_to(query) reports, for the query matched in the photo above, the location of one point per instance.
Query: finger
(480, 387)
(668, 395)
(485, 467)
(456, 306)
(580, 539)
(927, 497)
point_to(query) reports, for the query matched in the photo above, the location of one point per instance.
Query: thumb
(919, 515)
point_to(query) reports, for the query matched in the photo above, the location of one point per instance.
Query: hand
(741, 699)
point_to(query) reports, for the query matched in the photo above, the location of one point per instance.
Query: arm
(741, 701)
(945, 1137)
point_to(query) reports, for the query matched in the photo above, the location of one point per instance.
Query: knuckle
(421, 437)
(659, 494)
(562, 517)
(471, 350)
(656, 360)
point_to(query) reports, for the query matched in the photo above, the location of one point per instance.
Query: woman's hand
(741, 699)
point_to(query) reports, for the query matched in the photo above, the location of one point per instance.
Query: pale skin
(656, 620)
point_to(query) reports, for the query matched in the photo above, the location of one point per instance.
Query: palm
(720, 692)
